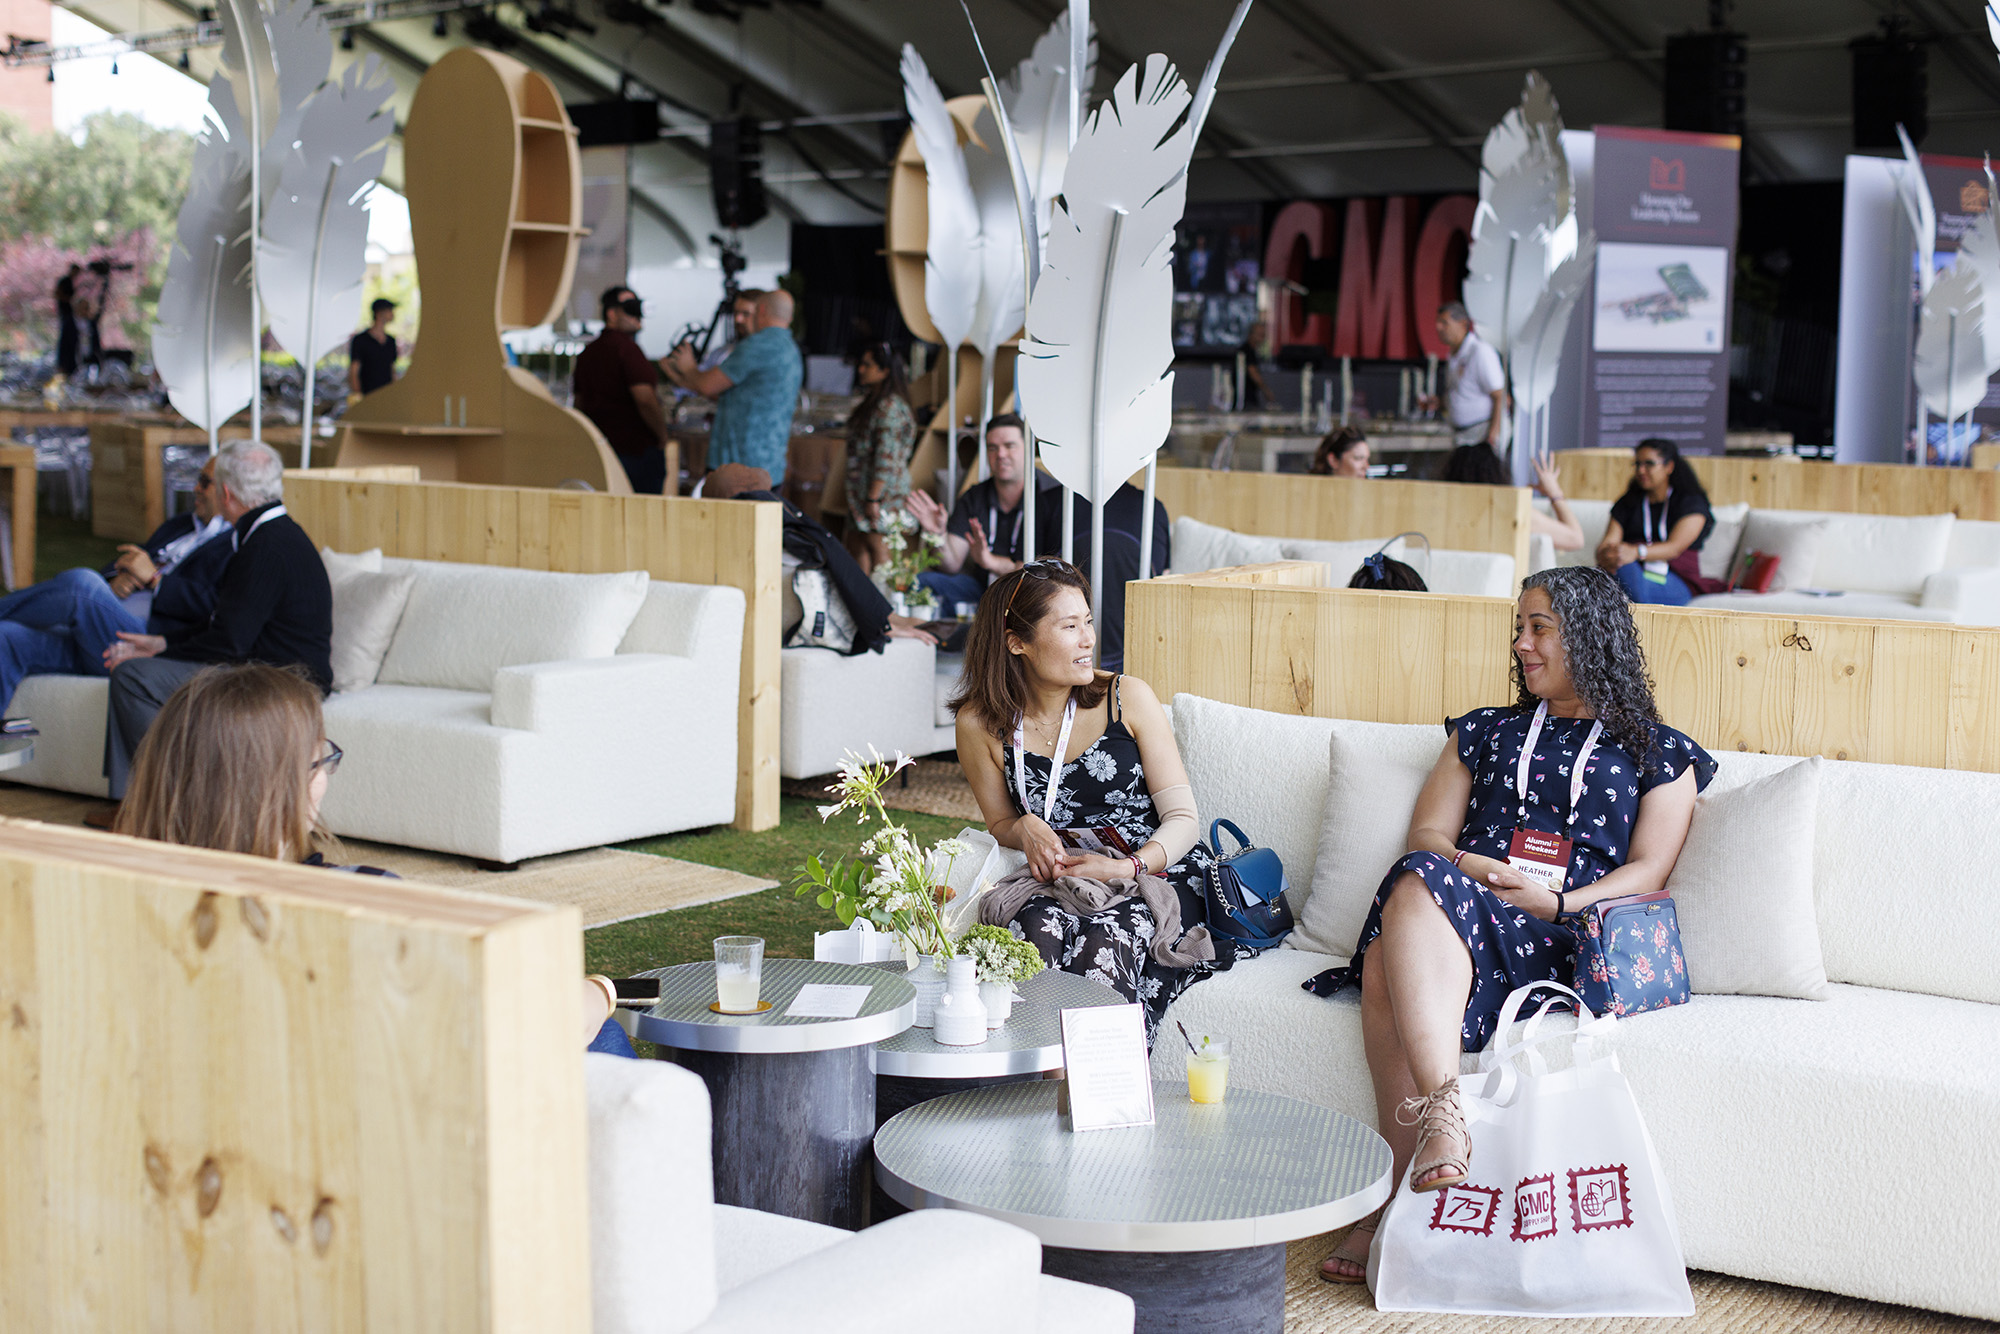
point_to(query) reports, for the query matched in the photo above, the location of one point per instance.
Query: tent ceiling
(1320, 99)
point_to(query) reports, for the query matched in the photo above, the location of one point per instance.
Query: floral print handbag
(1628, 955)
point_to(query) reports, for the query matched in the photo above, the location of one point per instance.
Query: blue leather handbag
(1628, 954)
(1246, 892)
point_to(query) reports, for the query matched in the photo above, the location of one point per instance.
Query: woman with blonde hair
(238, 761)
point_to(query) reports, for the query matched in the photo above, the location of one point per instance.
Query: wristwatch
(1642, 553)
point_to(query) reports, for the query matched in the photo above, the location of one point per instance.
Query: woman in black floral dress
(1029, 686)
(1581, 755)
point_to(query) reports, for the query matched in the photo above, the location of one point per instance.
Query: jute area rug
(607, 885)
(935, 787)
(1722, 1305)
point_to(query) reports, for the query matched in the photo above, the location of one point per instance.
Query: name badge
(1540, 856)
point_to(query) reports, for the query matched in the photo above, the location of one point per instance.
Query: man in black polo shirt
(371, 354)
(618, 388)
(982, 536)
(273, 605)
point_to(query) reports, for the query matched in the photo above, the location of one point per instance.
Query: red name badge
(1540, 856)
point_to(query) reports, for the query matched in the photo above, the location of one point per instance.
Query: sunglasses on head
(1046, 568)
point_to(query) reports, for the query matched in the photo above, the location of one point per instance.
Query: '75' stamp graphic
(1466, 1208)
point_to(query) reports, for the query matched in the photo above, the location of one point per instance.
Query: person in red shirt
(617, 387)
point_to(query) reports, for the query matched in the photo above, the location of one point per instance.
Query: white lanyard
(1646, 522)
(993, 526)
(262, 519)
(1576, 779)
(1055, 764)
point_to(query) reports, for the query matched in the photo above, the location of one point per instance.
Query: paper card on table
(1109, 1080)
(823, 1000)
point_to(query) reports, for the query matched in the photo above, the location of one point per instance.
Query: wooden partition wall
(1454, 516)
(242, 1095)
(733, 542)
(1892, 692)
(1786, 482)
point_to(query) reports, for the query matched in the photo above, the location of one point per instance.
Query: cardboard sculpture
(495, 200)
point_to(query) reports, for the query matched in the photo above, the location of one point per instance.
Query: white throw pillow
(341, 563)
(366, 610)
(1883, 553)
(1202, 546)
(1374, 773)
(1718, 554)
(466, 622)
(1236, 757)
(1743, 888)
(1793, 539)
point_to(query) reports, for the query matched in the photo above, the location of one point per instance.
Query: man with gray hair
(273, 605)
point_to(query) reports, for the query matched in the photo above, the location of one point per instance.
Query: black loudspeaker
(621, 122)
(1891, 88)
(736, 172)
(1704, 88)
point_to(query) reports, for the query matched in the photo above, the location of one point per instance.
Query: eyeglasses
(1048, 567)
(329, 761)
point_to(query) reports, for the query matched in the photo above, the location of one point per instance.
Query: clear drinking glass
(1208, 1069)
(739, 970)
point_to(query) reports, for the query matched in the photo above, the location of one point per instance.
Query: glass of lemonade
(1208, 1069)
(739, 971)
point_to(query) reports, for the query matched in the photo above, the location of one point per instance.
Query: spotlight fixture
(482, 27)
(557, 23)
(441, 26)
(347, 39)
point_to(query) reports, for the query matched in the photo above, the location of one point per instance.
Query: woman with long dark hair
(1345, 453)
(881, 434)
(1028, 691)
(1657, 528)
(1580, 759)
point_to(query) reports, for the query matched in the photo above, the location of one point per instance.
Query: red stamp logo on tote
(1466, 1209)
(1535, 1209)
(1598, 1198)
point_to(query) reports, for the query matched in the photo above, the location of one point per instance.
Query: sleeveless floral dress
(1511, 948)
(1106, 784)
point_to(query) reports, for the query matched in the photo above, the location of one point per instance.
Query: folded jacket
(1171, 948)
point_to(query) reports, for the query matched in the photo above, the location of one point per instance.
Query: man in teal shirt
(756, 389)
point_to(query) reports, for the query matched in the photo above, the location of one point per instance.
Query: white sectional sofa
(1920, 568)
(830, 704)
(1843, 1144)
(1199, 546)
(516, 713)
(666, 1259)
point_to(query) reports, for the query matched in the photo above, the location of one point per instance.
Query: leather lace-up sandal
(1435, 1115)
(1350, 1258)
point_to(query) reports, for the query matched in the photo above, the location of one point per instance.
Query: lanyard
(1576, 779)
(993, 528)
(1646, 522)
(1055, 765)
(262, 519)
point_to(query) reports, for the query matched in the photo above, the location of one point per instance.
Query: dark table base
(792, 1130)
(1187, 1292)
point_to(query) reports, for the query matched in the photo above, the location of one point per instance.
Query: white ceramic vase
(998, 998)
(961, 1017)
(928, 979)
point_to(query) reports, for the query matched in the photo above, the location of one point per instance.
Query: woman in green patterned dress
(880, 435)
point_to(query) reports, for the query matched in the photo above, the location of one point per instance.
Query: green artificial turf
(786, 923)
(63, 544)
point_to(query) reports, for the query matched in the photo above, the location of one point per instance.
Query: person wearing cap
(371, 354)
(617, 387)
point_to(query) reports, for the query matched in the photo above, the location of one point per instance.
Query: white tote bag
(1564, 1212)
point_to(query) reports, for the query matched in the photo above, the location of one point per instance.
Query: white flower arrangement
(902, 889)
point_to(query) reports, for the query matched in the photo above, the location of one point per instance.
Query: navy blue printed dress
(1511, 948)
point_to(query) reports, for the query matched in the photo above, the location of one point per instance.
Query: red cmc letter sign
(1435, 275)
(1372, 318)
(1300, 232)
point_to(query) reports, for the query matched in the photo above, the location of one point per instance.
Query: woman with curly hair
(1580, 770)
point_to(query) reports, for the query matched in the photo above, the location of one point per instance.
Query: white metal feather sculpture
(1526, 222)
(953, 265)
(312, 252)
(1914, 189)
(1538, 355)
(1002, 304)
(1039, 97)
(1951, 343)
(1096, 367)
(204, 341)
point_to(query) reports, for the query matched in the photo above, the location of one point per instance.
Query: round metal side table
(792, 1098)
(1189, 1216)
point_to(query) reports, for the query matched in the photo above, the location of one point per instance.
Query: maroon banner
(1664, 206)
